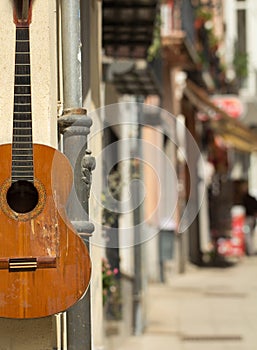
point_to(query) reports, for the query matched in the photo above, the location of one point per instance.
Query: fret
(22, 104)
(24, 159)
(18, 136)
(22, 117)
(25, 85)
(28, 178)
(21, 154)
(23, 162)
(22, 149)
(24, 128)
(22, 113)
(17, 177)
(21, 96)
(21, 122)
(22, 139)
(21, 144)
(23, 125)
(22, 169)
(21, 135)
(22, 80)
(23, 172)
(20, 161)
(23, 165)
(17, 169)
(22, 110)
(27, 130)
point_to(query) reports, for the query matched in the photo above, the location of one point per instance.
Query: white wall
(43, 71)
(230, 18)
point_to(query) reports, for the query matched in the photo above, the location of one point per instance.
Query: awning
(128, 27)
(236, 134)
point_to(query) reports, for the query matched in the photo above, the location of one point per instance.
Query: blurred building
(185, 65)
(240, 53)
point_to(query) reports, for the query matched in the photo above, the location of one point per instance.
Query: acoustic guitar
(44, 265)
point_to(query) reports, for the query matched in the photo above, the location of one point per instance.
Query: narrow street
(207, 308)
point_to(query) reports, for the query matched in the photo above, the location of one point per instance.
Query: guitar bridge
(22, 264)
(27, 264)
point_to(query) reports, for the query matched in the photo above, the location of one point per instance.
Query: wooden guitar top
(44, 265)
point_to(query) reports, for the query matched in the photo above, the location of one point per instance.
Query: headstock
(22, 10)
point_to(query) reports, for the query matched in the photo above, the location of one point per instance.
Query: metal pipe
(71, 54)
(138, 216)
(75, 125)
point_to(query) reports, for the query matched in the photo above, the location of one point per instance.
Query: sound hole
(22, 196)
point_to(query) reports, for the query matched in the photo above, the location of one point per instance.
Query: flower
(108, 279)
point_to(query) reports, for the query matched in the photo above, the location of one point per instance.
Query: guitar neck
(22, 146)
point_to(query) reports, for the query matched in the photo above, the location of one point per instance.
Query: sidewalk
(206, 308)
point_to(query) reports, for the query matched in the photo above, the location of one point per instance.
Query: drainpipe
(74, 125)
(138, 218)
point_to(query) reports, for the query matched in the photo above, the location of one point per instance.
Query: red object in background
(238, 235)
(230, 104)
(234, 246)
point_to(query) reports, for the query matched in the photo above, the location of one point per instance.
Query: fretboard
(22, 147)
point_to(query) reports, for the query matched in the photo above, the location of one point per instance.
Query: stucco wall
(43, 71)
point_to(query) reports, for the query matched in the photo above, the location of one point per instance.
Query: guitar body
(44, 265)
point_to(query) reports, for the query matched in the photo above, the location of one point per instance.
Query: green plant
(109, 281)
(203, 14)
(240, 63)
(155, 47)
